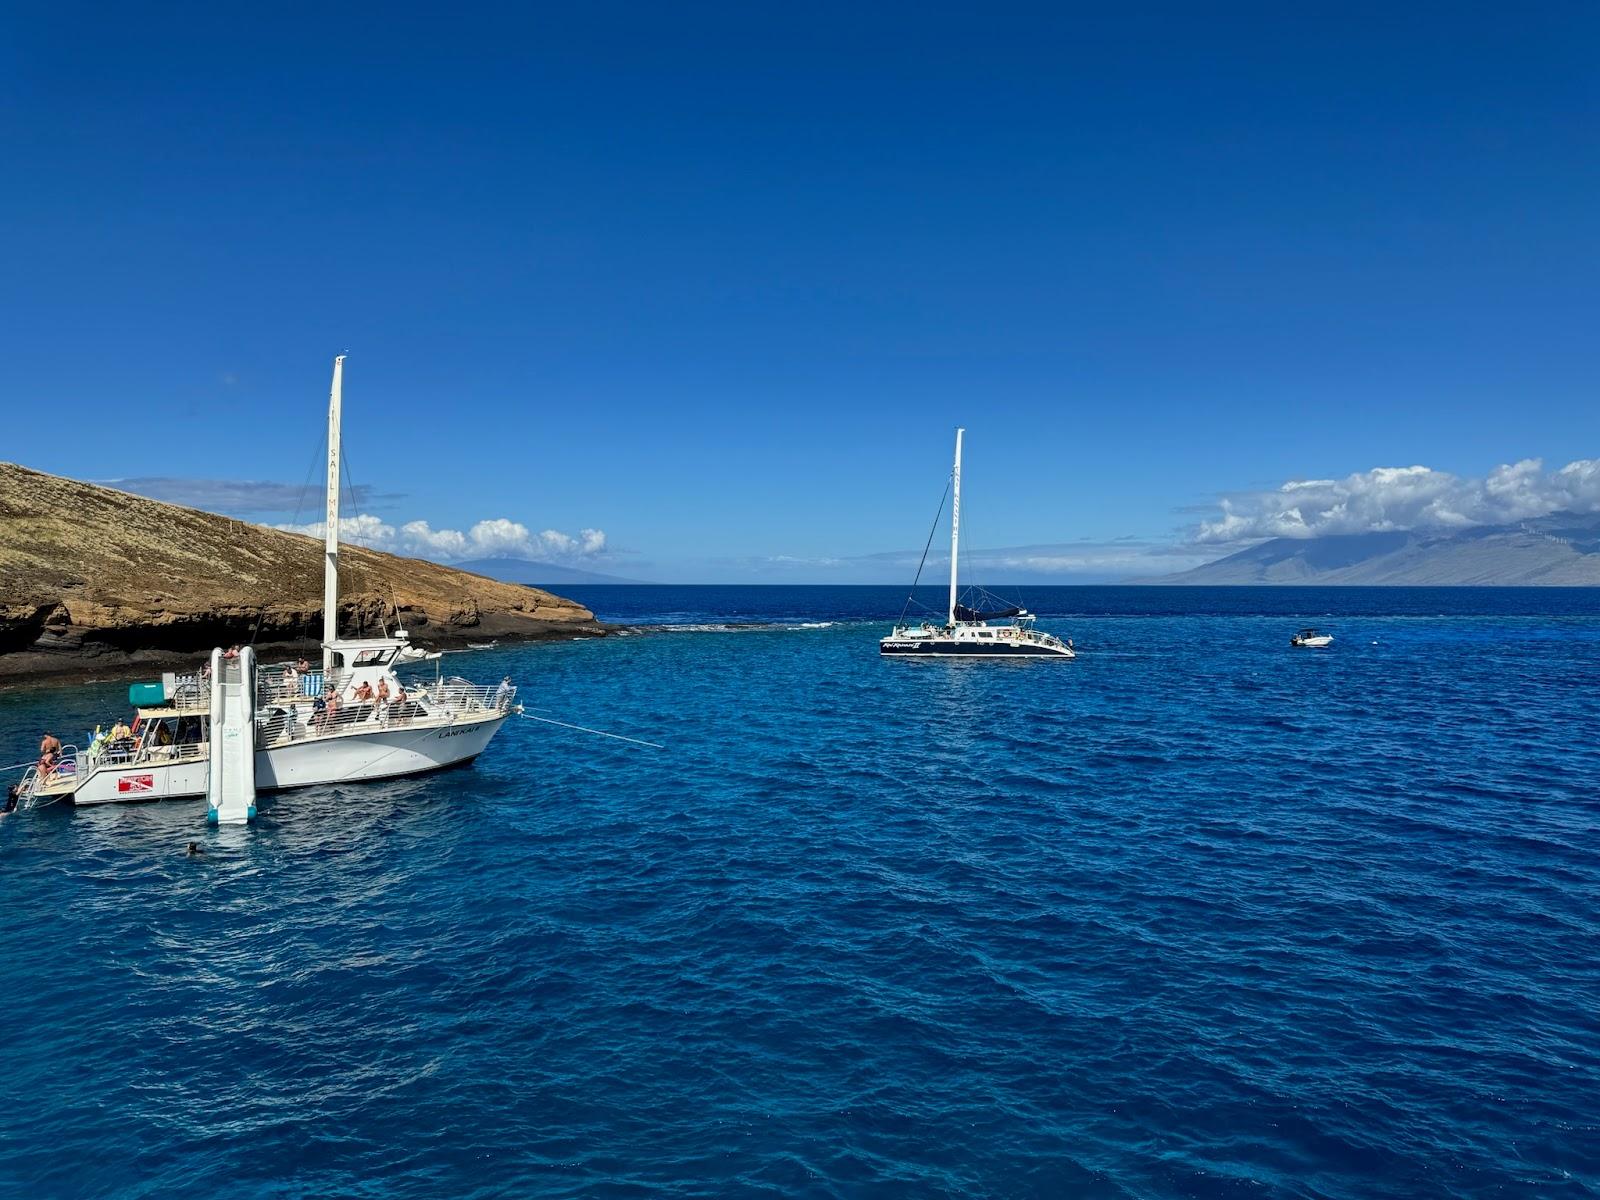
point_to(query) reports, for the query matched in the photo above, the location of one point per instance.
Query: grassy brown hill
(91, 577)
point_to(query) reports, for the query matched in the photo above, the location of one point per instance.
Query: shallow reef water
(1194, 915)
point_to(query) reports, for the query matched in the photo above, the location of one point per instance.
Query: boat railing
(281, 683)
(283, 725)
(458, 695)
(35, 779)
(192, 692)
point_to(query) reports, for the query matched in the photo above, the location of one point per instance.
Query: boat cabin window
(373, 658)
(985, 633)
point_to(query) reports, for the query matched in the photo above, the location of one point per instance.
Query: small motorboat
(1312, 638)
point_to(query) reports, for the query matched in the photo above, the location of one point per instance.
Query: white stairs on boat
(231, 775)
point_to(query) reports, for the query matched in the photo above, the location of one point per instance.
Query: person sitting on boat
(120, 740)
(363, 693)
(232, 652)
(291, 682)
(399, 709)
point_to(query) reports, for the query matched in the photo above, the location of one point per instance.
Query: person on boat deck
(319, 713)
(291, 682)
(383, 699)
(331, 715)
(363, 693)
(49, 752)
(399, 709)
(302, 666)
(502, 694)
(232, 652)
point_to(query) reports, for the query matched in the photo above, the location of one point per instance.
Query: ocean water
(1195, 915)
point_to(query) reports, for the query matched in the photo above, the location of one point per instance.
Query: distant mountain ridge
(527, 571)
(1560, 550)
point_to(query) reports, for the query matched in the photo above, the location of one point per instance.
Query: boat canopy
(963, 613)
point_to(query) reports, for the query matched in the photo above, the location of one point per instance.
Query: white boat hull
(376, 754)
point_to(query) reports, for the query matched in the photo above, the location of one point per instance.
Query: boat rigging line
(928, 545)
(598, 732)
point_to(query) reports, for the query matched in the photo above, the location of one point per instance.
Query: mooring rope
(597, 732)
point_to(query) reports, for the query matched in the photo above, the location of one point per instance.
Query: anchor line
(597, 732)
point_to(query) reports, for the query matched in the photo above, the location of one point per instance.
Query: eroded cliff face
(90, 576)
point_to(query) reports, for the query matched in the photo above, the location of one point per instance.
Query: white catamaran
(235, 728)
(966, 632)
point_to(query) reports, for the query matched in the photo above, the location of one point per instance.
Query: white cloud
(1403, 498)
(494, 538)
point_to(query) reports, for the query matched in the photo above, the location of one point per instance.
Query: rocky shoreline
(58, 664)
(100, 583)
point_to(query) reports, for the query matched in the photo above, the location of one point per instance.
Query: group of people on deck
(390, 705)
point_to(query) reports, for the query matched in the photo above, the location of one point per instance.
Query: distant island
(96, 579)
(1560, 550)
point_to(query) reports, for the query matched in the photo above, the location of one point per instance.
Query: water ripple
(1191, 916)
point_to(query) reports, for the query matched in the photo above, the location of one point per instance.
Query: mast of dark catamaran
(330, 563)
(955, 525)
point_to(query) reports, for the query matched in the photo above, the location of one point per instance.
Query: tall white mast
(330, 564)
(955, 525)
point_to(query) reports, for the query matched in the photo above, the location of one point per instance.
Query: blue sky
(718, 281)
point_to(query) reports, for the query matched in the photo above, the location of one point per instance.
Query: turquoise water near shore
(1195, 915)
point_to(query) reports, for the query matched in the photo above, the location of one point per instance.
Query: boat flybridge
(966, 631)
(236, 727)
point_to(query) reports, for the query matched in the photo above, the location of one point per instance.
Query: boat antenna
(932, 529)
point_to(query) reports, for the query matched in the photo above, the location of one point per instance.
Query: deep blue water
(1195, 915)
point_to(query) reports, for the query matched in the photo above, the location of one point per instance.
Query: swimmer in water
(194, 849)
